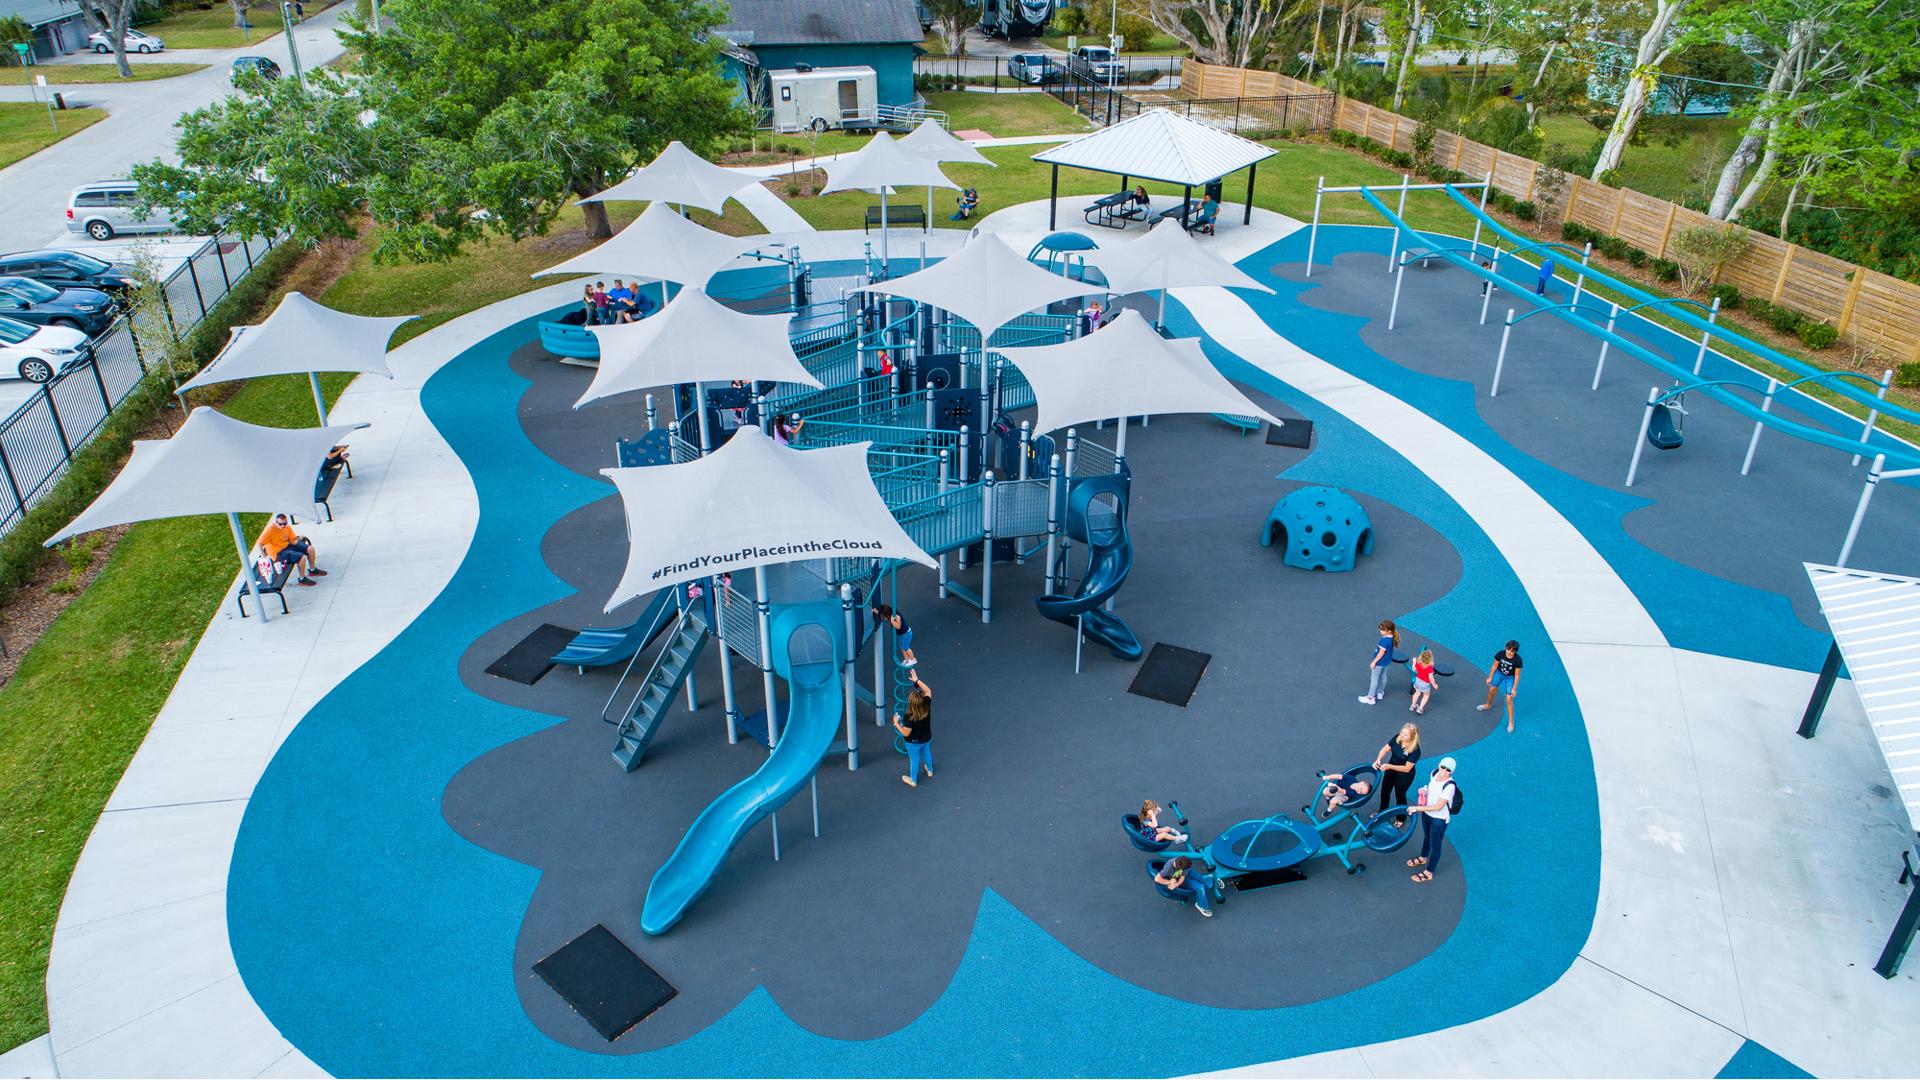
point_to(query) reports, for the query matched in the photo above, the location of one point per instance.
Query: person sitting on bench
(1138, 197)
(1209, 213)
(1184, 877)
(969, 201)
(336, 459)
(283, 545)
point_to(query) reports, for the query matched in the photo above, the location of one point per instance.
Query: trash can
(59, 101)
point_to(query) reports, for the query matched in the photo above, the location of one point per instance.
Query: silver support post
(1580, 282)
(1026, 446)
(1393, 252)
(1313, 236)
(246, 565)
(966, 461)
(879, 666)
(986, 411)
(1486, 295)
(813, 784)
(986, 547)
(1700, 357)
(944, 481)
(700, 406)
(652, 416)
(853, 642)
(764, 611)
(1053, 517)
(727, 701)
(1866, 433)
(883, 233)
(1605, 344)
(1393, 312)
(1484, 188)
(1754, 442)
(693, 699)
(1640, 440)
(1066, 484)
(1500, 362)
(1860, 510)
(1120, 448)
(1079, 639)
(319, 401)
(929, 404)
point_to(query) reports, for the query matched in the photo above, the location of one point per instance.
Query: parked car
(1098, 63)
(29, 301)
(105, 209)
(65, 269)
(1035, 68)
(259, 65)
(38, 353)
(137, 42)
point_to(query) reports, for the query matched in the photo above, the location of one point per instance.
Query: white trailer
(823, 99)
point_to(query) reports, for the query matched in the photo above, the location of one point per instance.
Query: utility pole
(293, 47)
(376, 16)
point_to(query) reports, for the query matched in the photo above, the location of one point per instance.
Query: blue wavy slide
(808, 659)
(1102, 524)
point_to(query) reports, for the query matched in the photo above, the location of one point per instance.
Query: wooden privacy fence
(1878, 312)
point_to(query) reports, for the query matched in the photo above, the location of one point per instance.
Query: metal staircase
(670, 669)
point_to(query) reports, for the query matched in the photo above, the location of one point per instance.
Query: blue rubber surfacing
(379, 942)
(1755, 1062)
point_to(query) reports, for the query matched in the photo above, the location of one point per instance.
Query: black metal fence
(39, 438)
(990, 72)
(1107, 103)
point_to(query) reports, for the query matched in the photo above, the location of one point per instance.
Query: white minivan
(106, 209)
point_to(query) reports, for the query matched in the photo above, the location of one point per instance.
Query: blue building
(771, 35)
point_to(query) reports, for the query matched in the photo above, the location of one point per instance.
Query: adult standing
(1396, 761)
(1504, 677)
(917, 730)
(1436, 806)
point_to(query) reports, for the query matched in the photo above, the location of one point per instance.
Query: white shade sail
(694, 338)
(751, 503)
(663, 245)
(1159, 145)
(1167, 257)
(936, 143)
(884, 163)
(213, 465)
(302, 336)
(679, 175)
(1125, 369)
(985, 283)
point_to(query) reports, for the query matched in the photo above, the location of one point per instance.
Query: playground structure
(1319, 528)
(1661, 423)
(1261, 852)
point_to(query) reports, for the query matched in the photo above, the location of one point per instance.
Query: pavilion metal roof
(1159, 144)
(1875, 619)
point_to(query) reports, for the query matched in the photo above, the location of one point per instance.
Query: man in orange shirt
(282, 545)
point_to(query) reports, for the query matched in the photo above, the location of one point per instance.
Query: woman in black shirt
(1395, 762)
(917, 730)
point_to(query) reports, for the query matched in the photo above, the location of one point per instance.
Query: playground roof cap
(213, 465)
(985, 283)
(935, 143)
(300, 336)
(884, 163)
(695, 338)
(1167, 257)
(1159, 145)
(751, 503)
(662, 245)
(1124, 369)
(678, 175)
(1874, 623)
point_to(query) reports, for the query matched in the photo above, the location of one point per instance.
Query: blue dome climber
(1319, 528)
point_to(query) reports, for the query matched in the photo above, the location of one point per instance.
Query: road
(139, 127)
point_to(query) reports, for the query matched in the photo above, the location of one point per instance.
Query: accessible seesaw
(1260, 852)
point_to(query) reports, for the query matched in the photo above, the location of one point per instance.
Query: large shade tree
(462, 117)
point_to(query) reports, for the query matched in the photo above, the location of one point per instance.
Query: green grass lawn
(1004, 115)
(214, 29)
(1663, 166)
(66, 74)
(25, 130)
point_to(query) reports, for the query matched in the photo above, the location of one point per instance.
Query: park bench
(1179, 210)
(276, 586)
(323, 485)
(1113, 211)
(908, 214)
(1425, 255)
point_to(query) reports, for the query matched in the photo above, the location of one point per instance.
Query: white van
(822, 99)
(106, 209)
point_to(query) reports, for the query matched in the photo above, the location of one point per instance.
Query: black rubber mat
(604, 982)
(533, 657)
(1170, 674)
(1294, 433)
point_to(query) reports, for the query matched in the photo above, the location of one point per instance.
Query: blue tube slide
(1717, 330)
(1901, 458)
(808, 658)
(1102, 524)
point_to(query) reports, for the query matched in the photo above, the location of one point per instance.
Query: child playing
(1423, 677)
(901, 631)
(1150, 825)
(1341, 788)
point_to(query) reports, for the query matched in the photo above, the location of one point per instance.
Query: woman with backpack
(1438, 800)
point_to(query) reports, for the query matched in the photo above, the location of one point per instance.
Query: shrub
(1503, 201)
(1573, 232)
(1613, 247)
(1701, 250)
(1759, 309)
(1907, 375)
(1525, 210)
(1818, 335)
(1785, 320)
(1728, 295)
(1070, 20)
(1136, 32)
(1399, 159)
(1636, 257)
(1666, 270)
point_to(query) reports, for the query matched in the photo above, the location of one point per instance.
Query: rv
(822, 99)
(1015, 18)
